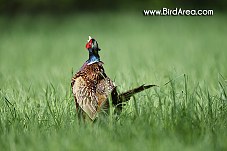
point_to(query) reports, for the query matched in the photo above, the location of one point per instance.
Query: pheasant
(91, 86)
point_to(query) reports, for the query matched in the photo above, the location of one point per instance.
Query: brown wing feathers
(91, 88)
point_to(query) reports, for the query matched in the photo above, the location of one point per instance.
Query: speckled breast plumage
(91, 88)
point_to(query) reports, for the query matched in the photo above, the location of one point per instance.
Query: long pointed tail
(124, 97)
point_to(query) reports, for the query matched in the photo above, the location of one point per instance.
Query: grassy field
(39, 53)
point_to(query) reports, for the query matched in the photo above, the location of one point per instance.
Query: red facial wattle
(89, 44)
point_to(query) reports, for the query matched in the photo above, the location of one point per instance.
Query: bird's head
(92, 45)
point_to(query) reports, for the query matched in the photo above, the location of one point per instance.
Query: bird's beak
(89, 38)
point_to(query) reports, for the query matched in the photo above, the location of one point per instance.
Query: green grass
(38, 54)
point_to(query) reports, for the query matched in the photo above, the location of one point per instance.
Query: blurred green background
(42, 43)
